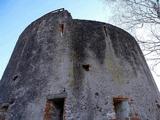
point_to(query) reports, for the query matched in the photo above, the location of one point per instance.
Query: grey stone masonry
(70, 69)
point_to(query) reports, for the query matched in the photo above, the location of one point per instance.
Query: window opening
(86, 67)
(61, 28)
(54, 109)
(121, 107)
(15, 77)
(4, 107)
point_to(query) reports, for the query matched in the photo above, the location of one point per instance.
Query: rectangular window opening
(61, 28)
(54, 109)
(122, 108)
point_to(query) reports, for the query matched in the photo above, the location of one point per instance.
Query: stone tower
(69, 69)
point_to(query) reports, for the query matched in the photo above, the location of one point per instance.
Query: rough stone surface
(86, 62)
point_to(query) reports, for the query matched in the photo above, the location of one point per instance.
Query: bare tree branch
(134, 15)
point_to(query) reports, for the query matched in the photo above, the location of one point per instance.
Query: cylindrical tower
(69, 69)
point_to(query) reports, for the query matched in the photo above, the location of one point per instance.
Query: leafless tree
(141, 17)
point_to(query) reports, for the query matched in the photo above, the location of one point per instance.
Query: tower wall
(93, 68)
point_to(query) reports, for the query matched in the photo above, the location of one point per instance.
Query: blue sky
(16, 15)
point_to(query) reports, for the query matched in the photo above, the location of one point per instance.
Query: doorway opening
(121, 107)
(54, 109)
